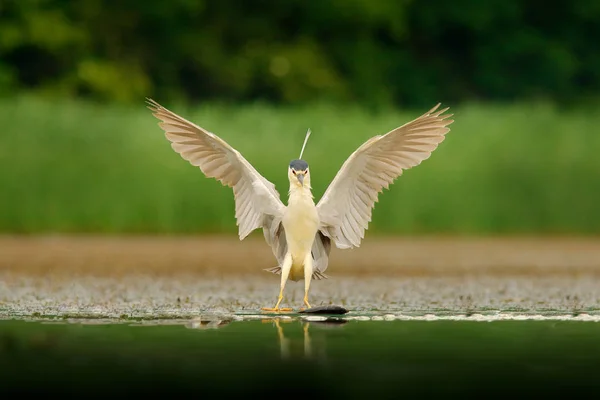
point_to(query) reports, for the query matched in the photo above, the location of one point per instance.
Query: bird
(301, 233)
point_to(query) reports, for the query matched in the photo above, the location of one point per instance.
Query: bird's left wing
(345, 208)
(257, 202)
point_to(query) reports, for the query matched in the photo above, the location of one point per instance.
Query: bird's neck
(300, 194)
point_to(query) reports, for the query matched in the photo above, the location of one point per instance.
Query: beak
(300, 178)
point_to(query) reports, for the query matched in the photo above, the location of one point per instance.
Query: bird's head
(298, 174)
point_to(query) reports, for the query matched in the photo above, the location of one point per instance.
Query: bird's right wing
(345, 208)
(257, 202)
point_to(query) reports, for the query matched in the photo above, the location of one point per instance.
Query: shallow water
(105, 317)
(180, 296)
(185, 277)
(281, 357)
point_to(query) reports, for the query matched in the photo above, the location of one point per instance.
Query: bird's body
(301, 223)
(301, 233)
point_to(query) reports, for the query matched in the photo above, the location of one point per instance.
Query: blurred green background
(79, 152)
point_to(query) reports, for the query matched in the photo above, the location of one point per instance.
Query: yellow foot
(306, 302)
(276, 309)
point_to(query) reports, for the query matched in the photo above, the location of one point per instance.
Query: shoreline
(224, 255)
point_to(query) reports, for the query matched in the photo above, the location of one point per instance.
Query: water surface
(285, 357)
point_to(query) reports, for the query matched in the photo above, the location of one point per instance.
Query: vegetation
(73, 166)
(362, 51)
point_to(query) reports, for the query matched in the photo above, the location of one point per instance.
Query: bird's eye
(306, 172)
(294, 172)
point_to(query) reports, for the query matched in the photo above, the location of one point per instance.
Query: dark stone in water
(332, 322)
(325, 310)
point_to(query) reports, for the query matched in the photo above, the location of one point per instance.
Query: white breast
(301, 222)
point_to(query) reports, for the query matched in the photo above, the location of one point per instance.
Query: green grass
(68, 166)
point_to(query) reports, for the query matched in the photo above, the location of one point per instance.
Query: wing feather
(346, 206)
(257, 203)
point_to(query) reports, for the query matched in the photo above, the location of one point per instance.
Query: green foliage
(83, 167)
(368, 51)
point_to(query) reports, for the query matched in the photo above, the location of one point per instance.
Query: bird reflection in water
(313, 341)
(314, 346)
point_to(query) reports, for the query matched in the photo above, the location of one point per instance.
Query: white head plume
(304, 145)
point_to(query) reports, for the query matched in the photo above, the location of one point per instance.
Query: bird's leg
(285, 272)
(308, 271)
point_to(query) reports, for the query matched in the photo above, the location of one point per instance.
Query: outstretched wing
(257, 203)
(346, 206)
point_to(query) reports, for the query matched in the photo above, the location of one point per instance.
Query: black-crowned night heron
(300, 233)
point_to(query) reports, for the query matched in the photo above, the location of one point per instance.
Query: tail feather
(275, 270)
(317, 275)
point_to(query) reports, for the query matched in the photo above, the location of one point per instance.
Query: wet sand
(181, 277)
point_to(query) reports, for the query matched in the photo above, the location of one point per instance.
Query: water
(108, 317)
(294, 357)
(180, 296)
